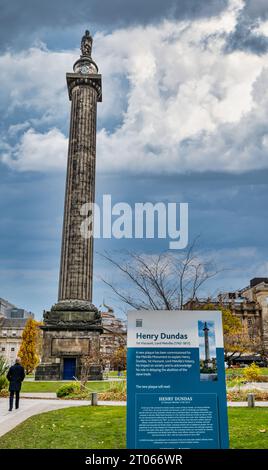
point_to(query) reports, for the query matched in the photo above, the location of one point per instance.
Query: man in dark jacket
(15, 376)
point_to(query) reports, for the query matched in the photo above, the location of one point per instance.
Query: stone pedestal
(71, 334)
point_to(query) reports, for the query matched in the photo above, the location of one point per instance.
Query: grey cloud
(245, 37)
(256, 9)
(25, 20)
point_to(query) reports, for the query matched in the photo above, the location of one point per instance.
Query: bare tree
(159, 282)
(92, 360)
(118, 340)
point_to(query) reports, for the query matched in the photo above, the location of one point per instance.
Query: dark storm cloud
(25, 20)
(245, 36)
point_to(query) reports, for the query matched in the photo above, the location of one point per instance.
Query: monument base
(71, 342)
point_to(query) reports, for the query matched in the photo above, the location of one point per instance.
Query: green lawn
(114, 373)
(264, 371)
(53, 386)
(77, 428)
(104, 428)
(245, 425)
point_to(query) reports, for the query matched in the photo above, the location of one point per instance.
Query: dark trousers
(11, 399)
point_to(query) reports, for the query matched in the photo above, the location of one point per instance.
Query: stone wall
(59, 344)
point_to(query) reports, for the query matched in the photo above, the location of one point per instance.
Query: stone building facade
(257, 294)
(12, 323)
(114, 335)
(249, 304)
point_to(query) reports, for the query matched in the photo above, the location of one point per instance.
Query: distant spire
(110, 309)
(86, 44)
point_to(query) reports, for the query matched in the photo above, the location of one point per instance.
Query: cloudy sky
(184, 118)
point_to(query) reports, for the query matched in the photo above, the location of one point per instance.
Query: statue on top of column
(86, 44)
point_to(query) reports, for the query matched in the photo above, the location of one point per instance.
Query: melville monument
(207, 355)
(72, 328)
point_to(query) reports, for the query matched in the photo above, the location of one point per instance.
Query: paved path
(8, 420)
(263, 386)
(45, 395)
(244, 403)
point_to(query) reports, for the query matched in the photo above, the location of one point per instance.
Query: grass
(101, 386)
(104, 428)
(245, 425)
(76, 428)
(39, 387)
(233, 375)
(238, 372)
(114, 373)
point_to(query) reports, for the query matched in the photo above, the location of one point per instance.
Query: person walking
(119, 369)
(15, 377)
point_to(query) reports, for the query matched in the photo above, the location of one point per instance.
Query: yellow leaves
(252, 372)
(29, 347)
(231, 324)
(235, 338)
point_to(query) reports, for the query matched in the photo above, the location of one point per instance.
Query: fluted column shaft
(77, 252)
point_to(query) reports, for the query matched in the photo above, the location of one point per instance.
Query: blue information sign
(176, 393)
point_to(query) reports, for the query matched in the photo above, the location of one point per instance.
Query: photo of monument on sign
(207, 350)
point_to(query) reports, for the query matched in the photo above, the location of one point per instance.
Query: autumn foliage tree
(237, 340)
(30, 346)
(119, 358)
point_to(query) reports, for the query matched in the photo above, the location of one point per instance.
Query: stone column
(206, 330)
(72, 326)
(77, 252)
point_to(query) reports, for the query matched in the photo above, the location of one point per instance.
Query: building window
(3, 349)
(12, 349)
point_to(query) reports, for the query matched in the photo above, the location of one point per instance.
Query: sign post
(176, 393)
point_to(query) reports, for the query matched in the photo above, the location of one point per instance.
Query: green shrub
(68, 389)
(252, 373)
(3, 382)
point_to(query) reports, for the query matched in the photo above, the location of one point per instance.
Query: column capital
(90, 80)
